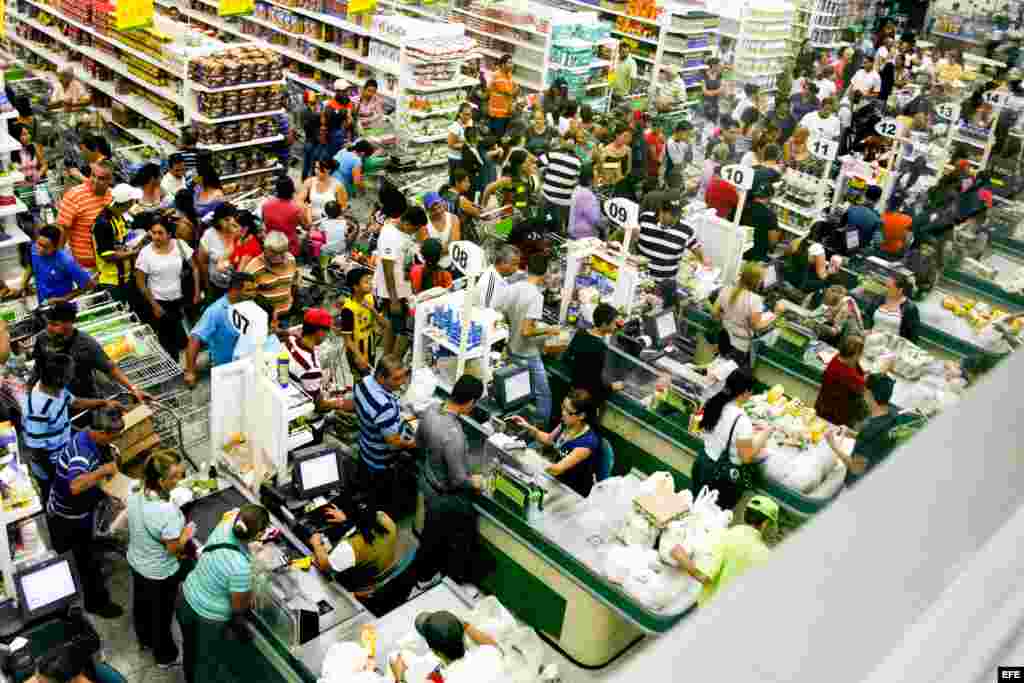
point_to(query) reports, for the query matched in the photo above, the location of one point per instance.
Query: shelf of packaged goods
(631, 36)
(144, 136)
(103, 58)
(339, 23)
(236, 117)
(254, 171)
(418, 10)
(135, 52)
(699, 67)
(438, 335)
(518, 27)
(238, 145)
(309, 83)
(605, 10)
(690, 31)
(687, 50)
(796, 208)
(447, 111)
(386, 67)
(464, 82)
(828, 46)
(506, 39)
(595, 64)
(194, 85)
(799, 232)
(135, 103)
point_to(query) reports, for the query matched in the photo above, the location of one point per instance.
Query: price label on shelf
(468, 257)
(949, 111)
(889, 128)
(740, 176)
(825, 149)
(621, 211)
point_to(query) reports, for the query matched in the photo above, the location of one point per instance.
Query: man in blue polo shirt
(380, 429)
(865, 217)
(84, 464)
(220, 326)
(58, 275)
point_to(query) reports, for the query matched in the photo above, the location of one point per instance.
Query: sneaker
(107, 611)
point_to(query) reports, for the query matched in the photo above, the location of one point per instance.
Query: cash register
(320, 476)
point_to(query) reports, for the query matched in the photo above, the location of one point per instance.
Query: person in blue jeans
(523, 305)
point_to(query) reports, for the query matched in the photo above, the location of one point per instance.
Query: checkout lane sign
(468, 257)
(739, 175)
(621, 211)
(824, 149)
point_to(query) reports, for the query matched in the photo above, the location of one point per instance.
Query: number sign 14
(948, 111)
(740, 176)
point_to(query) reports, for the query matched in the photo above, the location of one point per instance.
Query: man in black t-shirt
(760, 215)
(875, 440)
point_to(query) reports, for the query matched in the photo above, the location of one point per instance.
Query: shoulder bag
(730, 479)
(188, 288)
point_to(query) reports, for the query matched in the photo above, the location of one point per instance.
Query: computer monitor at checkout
(48, 587)
(318, 472)
(662, 328)
(512, 387)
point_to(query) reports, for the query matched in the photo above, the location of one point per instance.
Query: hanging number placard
(948, 111)
(621, 211)
(824, 149)
(468, 257)
(740, 176)
(997, 98)
(888, 128)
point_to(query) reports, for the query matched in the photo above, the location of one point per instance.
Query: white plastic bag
(491, 617)
(524, 655)
(342, 661)
(638, 531)
(421, 388)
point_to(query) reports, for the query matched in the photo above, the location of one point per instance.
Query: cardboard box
(138, 433)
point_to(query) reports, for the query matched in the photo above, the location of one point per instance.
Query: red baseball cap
(986, 196)
(318, 317)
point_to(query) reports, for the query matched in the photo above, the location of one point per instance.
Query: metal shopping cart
(141, 359)
(494, 228)
(181, 418)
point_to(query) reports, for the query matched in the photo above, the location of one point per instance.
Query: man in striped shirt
(561, 176)
(80, 469)
(380, 429)
(276, 274)
(663, 239)
(79, 209)
(304, 364)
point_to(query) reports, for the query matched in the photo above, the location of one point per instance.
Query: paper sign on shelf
(130, 15)
(740, 176)
(234, 8)
(621, 211)
(359, 6)
(468, 257)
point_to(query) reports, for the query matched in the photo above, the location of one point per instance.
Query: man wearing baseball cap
(444, 633)
(739, 549)
(113, 257)
(304, 365)
(874, 440)
(83, 465)
(336, 112)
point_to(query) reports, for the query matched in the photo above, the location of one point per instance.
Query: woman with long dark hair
(158, 271)
(209, 194)
(364, 555)
(729, 440)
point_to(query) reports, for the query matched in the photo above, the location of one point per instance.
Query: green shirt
(150, 522)
(739, 550)
(625, 72)
(218, 574)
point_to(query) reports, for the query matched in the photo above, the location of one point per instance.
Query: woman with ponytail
(216, 597)
(729, 440)
(157, 538)
(741, 311)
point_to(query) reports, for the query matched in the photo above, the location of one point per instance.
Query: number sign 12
(824, 148)
(740, 176)
(887, 127)
(468, 257)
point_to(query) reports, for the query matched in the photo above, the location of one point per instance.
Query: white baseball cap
(125, 194)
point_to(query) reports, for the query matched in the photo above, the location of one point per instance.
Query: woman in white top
(728, 429)
(741, 312)
(457, 136)
(214, 252)
(897, 313)
(158, 536)
(321, 188)
(441, 226)
(158, 276)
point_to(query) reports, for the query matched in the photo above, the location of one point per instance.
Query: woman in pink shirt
(370, 107)
(283, 214)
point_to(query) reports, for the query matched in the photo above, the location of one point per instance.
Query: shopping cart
(494, 227)
(146, 364)
(181, 418)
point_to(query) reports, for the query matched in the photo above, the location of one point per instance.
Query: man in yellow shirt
(739, 549)
(501, 96)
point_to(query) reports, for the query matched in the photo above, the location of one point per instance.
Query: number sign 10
(740, 176)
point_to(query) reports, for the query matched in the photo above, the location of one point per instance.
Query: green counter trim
(524, 594)
(1009, 245)
(984, 288)
(583, 575)
(789, 364)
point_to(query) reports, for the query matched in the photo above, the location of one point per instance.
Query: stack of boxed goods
(237, 66)
(243, 161)
(219, 104)
(79, 10)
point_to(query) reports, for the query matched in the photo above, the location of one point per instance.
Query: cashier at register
(368, 552)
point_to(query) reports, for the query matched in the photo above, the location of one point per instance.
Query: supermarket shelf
(700, 67)
(642, 39)
(829, 46)
(437, 335)
(460, 83)
(532, 85)
(338, 22)
(424, 139)
(141, 134)
(506, 39)
(415, 9)
(237, 145)
(236, 117)
(105, 38)
(603, 10)
(687, 50)
(433, 112)
(138, 104)
(106, 59)
(254, 171)
(309, 83)
(596, 64)
(518, 27)
(690, 31)
(796, 208)
(226, 88)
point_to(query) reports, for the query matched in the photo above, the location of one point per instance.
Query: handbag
(730, 479)
(188, 284)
